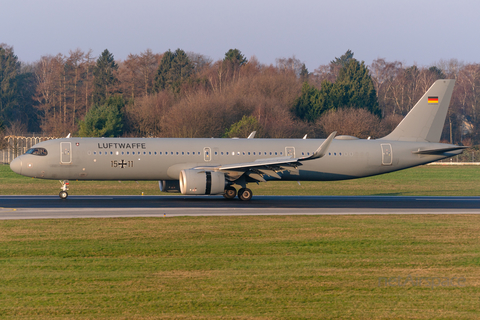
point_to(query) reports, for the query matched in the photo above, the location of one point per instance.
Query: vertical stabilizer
(426, 119)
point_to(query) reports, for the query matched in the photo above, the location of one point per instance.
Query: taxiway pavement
(52, 207)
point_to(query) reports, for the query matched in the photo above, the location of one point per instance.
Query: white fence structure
(18, 145)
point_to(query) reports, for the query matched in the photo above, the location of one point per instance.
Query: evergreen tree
(181, 69)
(304, 73)
(9, 69)
(104, 120)
(354, 88)
(312, 102)
(104, 77)
(162, 79)
(244, 127)
(174, 69)
(343, 60)
(438, 74)
(236, 57)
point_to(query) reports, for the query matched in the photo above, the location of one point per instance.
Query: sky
(420, 32)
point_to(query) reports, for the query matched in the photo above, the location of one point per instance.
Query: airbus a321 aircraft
(215, 166)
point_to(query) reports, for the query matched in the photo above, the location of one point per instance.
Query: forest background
(186, 94)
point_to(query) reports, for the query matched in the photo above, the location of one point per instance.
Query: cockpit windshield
(37, 151)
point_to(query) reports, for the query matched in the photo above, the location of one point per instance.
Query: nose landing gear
(64, 194)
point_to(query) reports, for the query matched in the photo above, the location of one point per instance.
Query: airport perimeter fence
(18, 145)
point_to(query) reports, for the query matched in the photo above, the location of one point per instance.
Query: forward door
(65, 152)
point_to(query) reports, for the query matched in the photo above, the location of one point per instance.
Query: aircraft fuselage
(163, 159)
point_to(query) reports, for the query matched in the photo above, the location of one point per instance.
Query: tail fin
(426, 119)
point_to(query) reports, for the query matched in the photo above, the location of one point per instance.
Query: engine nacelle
(193, 181)
(169, 185)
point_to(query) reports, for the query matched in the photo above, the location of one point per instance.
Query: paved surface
(46, 207)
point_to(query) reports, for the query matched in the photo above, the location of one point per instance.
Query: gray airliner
(215, 166)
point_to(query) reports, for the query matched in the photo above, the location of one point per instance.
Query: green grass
(302, 267)
(424, 180)
(281, 267)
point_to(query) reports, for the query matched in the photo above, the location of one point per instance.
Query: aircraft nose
(16, 165)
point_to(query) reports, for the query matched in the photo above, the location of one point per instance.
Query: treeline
(185, 94)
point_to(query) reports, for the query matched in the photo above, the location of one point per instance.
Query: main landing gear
(64, 194)
(244, 194)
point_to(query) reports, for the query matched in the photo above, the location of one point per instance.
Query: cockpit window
(37, 151)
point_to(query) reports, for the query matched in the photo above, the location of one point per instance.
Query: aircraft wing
(271, 166)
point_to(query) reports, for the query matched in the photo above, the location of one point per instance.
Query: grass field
(424, 180)
(302, 267)
(271, 267)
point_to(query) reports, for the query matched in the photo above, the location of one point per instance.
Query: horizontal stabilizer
(440, 150)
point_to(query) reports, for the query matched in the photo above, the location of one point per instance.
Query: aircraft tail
(426, 119)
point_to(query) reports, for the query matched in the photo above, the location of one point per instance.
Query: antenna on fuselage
(252, 135)
(68, 136)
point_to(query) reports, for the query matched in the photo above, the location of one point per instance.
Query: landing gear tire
(245, 194)
(63, 194)
(230, 193)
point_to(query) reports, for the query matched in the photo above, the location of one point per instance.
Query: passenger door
(65, 152)
(387, 156)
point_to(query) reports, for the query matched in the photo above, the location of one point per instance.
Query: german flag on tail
(432, 99)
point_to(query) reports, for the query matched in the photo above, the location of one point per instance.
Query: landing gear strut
(230, 193)
(64, 194)
(245, 194)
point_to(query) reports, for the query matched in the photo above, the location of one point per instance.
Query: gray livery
(213, 166)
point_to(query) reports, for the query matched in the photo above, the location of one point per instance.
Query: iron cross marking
(122, 164)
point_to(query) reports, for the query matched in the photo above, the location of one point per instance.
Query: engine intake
(193, 181)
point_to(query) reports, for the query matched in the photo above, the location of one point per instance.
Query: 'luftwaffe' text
(116, 145)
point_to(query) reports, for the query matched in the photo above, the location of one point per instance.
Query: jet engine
(169, 185)
(194, 181)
